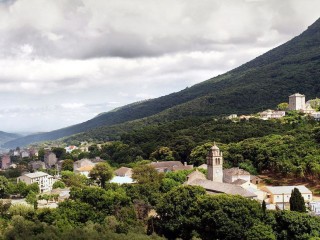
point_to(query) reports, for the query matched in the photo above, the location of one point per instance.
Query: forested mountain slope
(259, 84)
(5, 137)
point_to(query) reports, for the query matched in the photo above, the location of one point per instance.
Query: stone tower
(214, 162)
(297, 102)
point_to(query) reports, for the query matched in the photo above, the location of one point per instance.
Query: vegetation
(297, 201)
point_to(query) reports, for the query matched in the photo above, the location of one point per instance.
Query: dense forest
(287, 147)
(158, 206)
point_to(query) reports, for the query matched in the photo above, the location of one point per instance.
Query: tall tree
(102, 172)
(297, 201)
(67, 165)
(146, 174)
(4, 183)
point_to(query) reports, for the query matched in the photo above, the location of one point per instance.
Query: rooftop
(37, 174)
(122, 171)
(287, 189)
(235, 171)
(222, 188)
(84, 168)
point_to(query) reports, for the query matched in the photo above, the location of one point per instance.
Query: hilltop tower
(297, 102)
(214, 162)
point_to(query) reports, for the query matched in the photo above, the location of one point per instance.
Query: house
(16, 153)
(272, 114)
(122, 175)
(214, 181)
(44, 180)
(232, 174)
(24, 154)
(282, 194)
(36, 165)
(82, 163)
(69, 149)
(170, 166)
(5, 162)
(251, 187)
(50, 159)
(232, 116)
(85, 170)
(203, 166)
(255, 179)
(123, 172)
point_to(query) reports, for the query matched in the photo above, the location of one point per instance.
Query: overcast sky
(64, 61)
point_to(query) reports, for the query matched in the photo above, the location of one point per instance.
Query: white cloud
(72, 105)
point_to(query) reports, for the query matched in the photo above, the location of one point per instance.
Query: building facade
(282, 194)
(44, 180)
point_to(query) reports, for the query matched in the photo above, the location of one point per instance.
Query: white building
(297, 102)
(269, 114)
(282, 194)
(44, 180)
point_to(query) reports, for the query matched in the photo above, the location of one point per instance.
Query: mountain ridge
(258, 84)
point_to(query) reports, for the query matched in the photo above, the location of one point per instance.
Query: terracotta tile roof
(85, 169)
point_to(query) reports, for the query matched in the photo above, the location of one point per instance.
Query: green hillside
(5, 137)
(259, 84)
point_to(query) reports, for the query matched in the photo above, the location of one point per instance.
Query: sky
(63, 62)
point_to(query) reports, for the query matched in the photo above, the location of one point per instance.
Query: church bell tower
(214, 162)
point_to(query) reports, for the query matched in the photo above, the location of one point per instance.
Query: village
(212, 176)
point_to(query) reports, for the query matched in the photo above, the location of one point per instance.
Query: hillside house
(44, 180)
(85, 170)
(271, 114)
(122, 175)
(50, 159)
(282, 194)
(170, 166)
(232, 174)
(69, 149)
(5, 162)
(82, 163)
(36, 165)
(123, 172)
(24, 154)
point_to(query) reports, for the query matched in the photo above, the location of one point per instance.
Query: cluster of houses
(235, 181)
(297, 102)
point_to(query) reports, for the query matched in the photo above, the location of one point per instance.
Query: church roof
(235, 172)
(239, 182)
(197, 174)
(218, 187)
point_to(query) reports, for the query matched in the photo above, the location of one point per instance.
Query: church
(233, 181)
